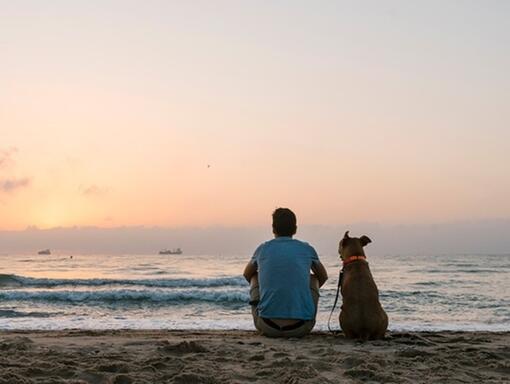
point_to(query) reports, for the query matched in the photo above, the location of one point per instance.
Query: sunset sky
(213, 113)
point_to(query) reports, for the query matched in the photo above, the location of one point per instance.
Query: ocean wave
(14, 314)
(429, 283)
(391, 294)
(458, 270)
(128, 295)
(11, 280)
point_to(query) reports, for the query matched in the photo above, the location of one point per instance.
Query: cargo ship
(176, 251)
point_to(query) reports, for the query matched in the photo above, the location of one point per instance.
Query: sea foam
(11, 280)
(127, 295)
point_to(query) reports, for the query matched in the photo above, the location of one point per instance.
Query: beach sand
(126, 356)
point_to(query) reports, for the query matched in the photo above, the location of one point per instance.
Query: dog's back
(362, 316)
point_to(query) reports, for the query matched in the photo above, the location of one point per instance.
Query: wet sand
(125, 356)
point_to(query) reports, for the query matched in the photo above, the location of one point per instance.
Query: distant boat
(176, 251)
(44, 252)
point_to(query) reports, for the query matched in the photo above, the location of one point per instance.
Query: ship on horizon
(176, 251)
(44, 252)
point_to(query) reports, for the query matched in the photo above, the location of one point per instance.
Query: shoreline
(234, 331)
(237, 356)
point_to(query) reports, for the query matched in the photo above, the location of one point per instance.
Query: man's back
(284, 294)
(284, 277)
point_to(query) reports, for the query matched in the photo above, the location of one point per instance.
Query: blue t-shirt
(284, 278)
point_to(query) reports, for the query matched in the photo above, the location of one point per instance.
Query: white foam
(11, 279)
(122, 295)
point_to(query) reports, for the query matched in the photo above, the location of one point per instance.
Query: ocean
(430, 292)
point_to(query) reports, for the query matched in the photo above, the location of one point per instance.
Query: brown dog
(362, 316)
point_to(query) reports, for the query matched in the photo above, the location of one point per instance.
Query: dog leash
(340, 277)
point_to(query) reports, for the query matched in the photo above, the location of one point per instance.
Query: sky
(481, 238)
(211, 114)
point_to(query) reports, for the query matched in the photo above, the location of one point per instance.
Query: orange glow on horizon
(187, 117)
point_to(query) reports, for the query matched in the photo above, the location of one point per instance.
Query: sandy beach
(126, 356)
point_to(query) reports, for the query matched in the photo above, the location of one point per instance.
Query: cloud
(93, 190)
(11, 185)
(6, 156)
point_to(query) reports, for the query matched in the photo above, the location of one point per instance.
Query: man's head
(284, 222)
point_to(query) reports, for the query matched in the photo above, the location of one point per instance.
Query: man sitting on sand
(284, 295)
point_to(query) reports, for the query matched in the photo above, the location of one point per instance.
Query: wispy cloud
(93, 190)
(11, 185)
(6, 156)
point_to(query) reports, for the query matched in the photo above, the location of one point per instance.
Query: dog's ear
(346, 237)
(343, 242)
(364, 240)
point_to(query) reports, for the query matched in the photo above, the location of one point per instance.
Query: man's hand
(320, 272)
(250, 270)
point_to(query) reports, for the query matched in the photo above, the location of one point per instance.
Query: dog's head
(352, 246)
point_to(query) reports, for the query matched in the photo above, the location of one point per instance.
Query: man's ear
(364, 240)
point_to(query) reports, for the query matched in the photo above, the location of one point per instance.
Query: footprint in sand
(114, 368)
(182, 347)
(351, 362)
(18, 343)
(93, 378)
(413, 352)
(193, 378)
(369, 372)
(258, 357)
(123, 379)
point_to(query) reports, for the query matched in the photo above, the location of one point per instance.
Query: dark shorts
(268, 328)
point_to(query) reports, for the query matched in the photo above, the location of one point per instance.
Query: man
(284, 295)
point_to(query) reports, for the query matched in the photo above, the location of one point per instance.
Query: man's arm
(320, 272)
(249, 271)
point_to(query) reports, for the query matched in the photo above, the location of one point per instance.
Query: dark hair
(284, 222)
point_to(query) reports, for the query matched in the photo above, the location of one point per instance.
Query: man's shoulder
(263, 245)
(303, 244)
(278, 242)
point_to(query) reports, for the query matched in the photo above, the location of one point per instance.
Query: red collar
(352, 259)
